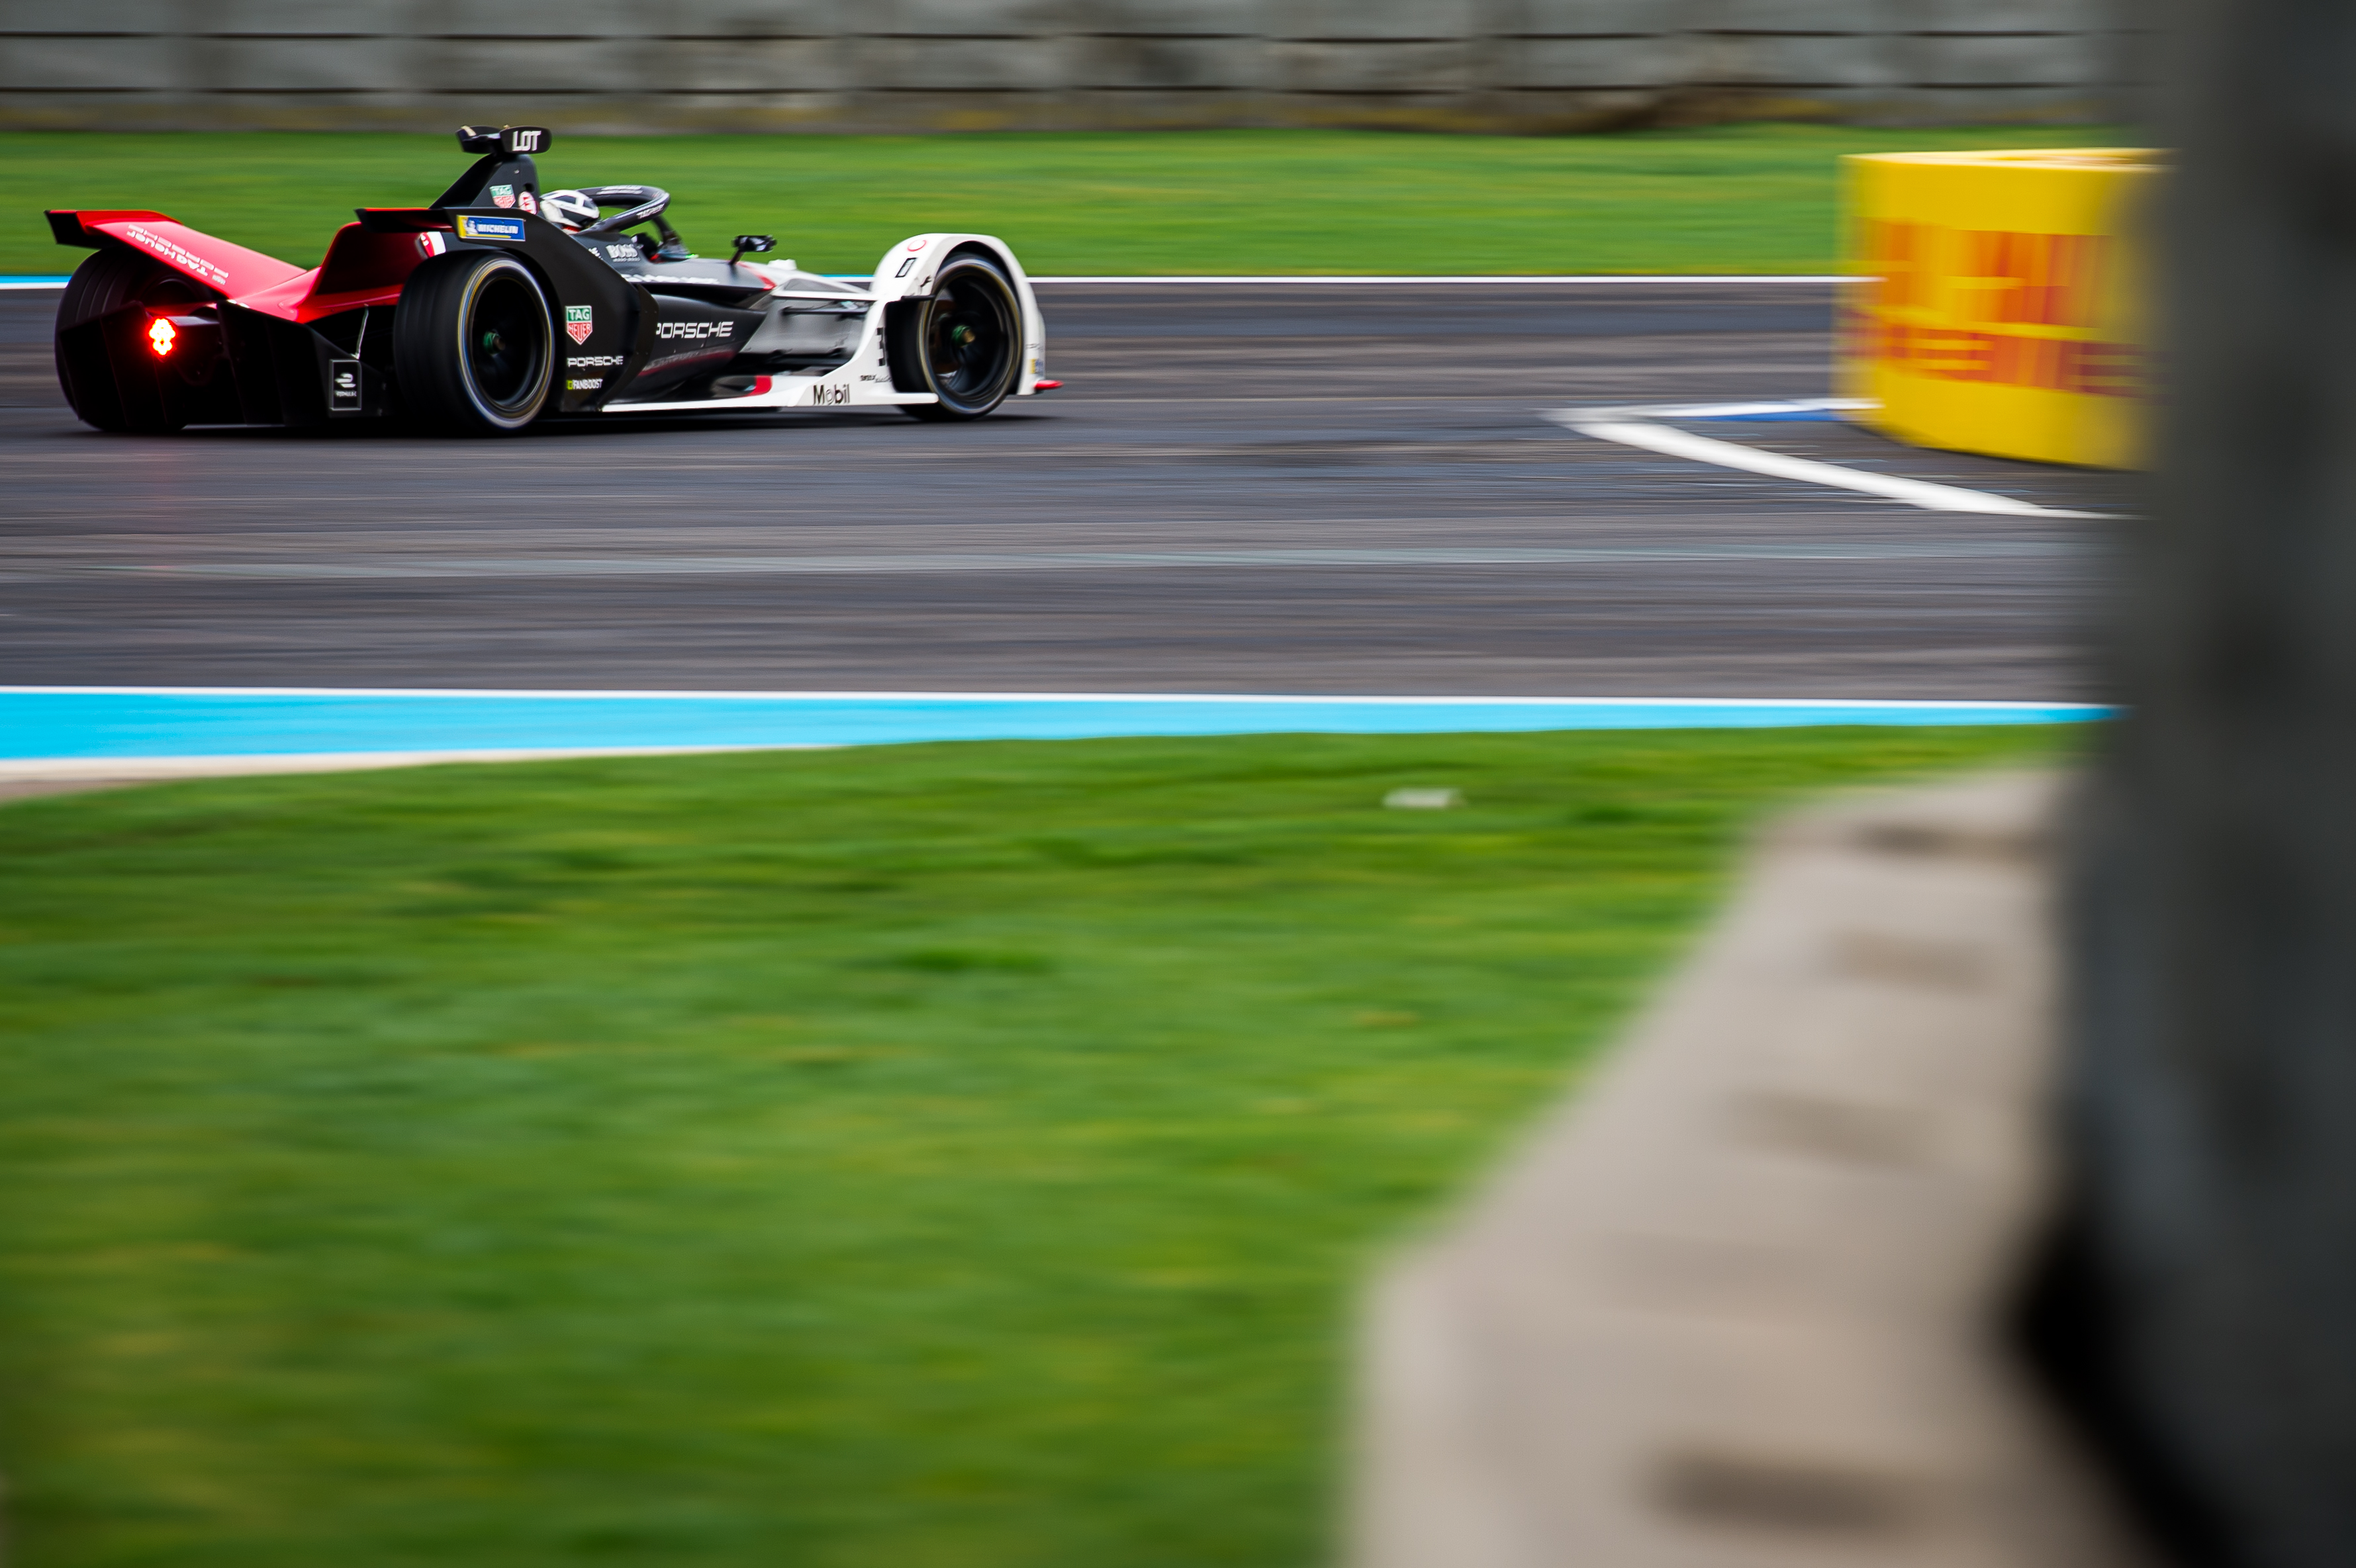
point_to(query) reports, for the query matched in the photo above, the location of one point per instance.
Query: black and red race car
(497, 305)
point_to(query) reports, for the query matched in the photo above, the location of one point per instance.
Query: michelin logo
(473, 228)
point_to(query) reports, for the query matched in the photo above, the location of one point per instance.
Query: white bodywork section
(865, 379)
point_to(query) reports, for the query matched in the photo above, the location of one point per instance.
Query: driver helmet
(568, 209)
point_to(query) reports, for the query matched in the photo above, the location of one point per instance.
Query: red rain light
(160, 337)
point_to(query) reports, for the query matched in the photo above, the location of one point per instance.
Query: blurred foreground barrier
(2007, 316)
(1740, 1303)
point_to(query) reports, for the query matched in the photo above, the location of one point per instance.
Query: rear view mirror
(753, 244)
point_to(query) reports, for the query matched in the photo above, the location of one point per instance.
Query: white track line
(1611, 426)
(1737, 411)
(34, 770)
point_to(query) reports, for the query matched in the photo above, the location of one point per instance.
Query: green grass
(946, 1157)
(1753, 198)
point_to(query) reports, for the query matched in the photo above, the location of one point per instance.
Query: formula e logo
(823, 394)
(695, 329)
(503, 196)
(579, 323)
(473, 228)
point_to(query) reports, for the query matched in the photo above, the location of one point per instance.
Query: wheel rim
(505, 334)
(969, 339)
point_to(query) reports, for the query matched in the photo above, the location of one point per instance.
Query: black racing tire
(474, 344)
(962, 343)
(112, 278)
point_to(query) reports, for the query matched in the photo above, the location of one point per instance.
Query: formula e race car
(497, 305)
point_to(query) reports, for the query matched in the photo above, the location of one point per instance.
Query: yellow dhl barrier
(1999, 307)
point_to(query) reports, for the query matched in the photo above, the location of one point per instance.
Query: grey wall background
(908, 65)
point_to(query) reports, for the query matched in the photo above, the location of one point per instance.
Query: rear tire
(105, 283)
(474, 344)
(962, 343)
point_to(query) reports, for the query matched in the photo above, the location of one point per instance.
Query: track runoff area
(1361, 504)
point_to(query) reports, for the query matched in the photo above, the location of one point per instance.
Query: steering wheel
(642, 204)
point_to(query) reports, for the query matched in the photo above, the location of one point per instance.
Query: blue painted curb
(50, 723)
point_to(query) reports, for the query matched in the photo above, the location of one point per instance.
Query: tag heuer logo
(578, 323)
(503, 196)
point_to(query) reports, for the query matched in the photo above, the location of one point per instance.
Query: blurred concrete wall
(912, 65)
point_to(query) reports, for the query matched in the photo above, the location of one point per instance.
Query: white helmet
(568, 208)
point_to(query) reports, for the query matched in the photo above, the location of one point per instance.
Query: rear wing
(227, 269)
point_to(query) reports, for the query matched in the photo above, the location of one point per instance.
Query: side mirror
(752, 244)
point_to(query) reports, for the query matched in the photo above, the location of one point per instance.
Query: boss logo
(623, 253)
(695, 329)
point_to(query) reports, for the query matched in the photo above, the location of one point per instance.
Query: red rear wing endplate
(67, 226)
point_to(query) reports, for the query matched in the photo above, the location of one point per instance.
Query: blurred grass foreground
(1758, 199)
(947, 1156)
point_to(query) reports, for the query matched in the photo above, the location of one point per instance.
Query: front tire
(474, 344)
(962, 343)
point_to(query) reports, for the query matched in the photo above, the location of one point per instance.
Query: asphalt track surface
(1243, 488)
